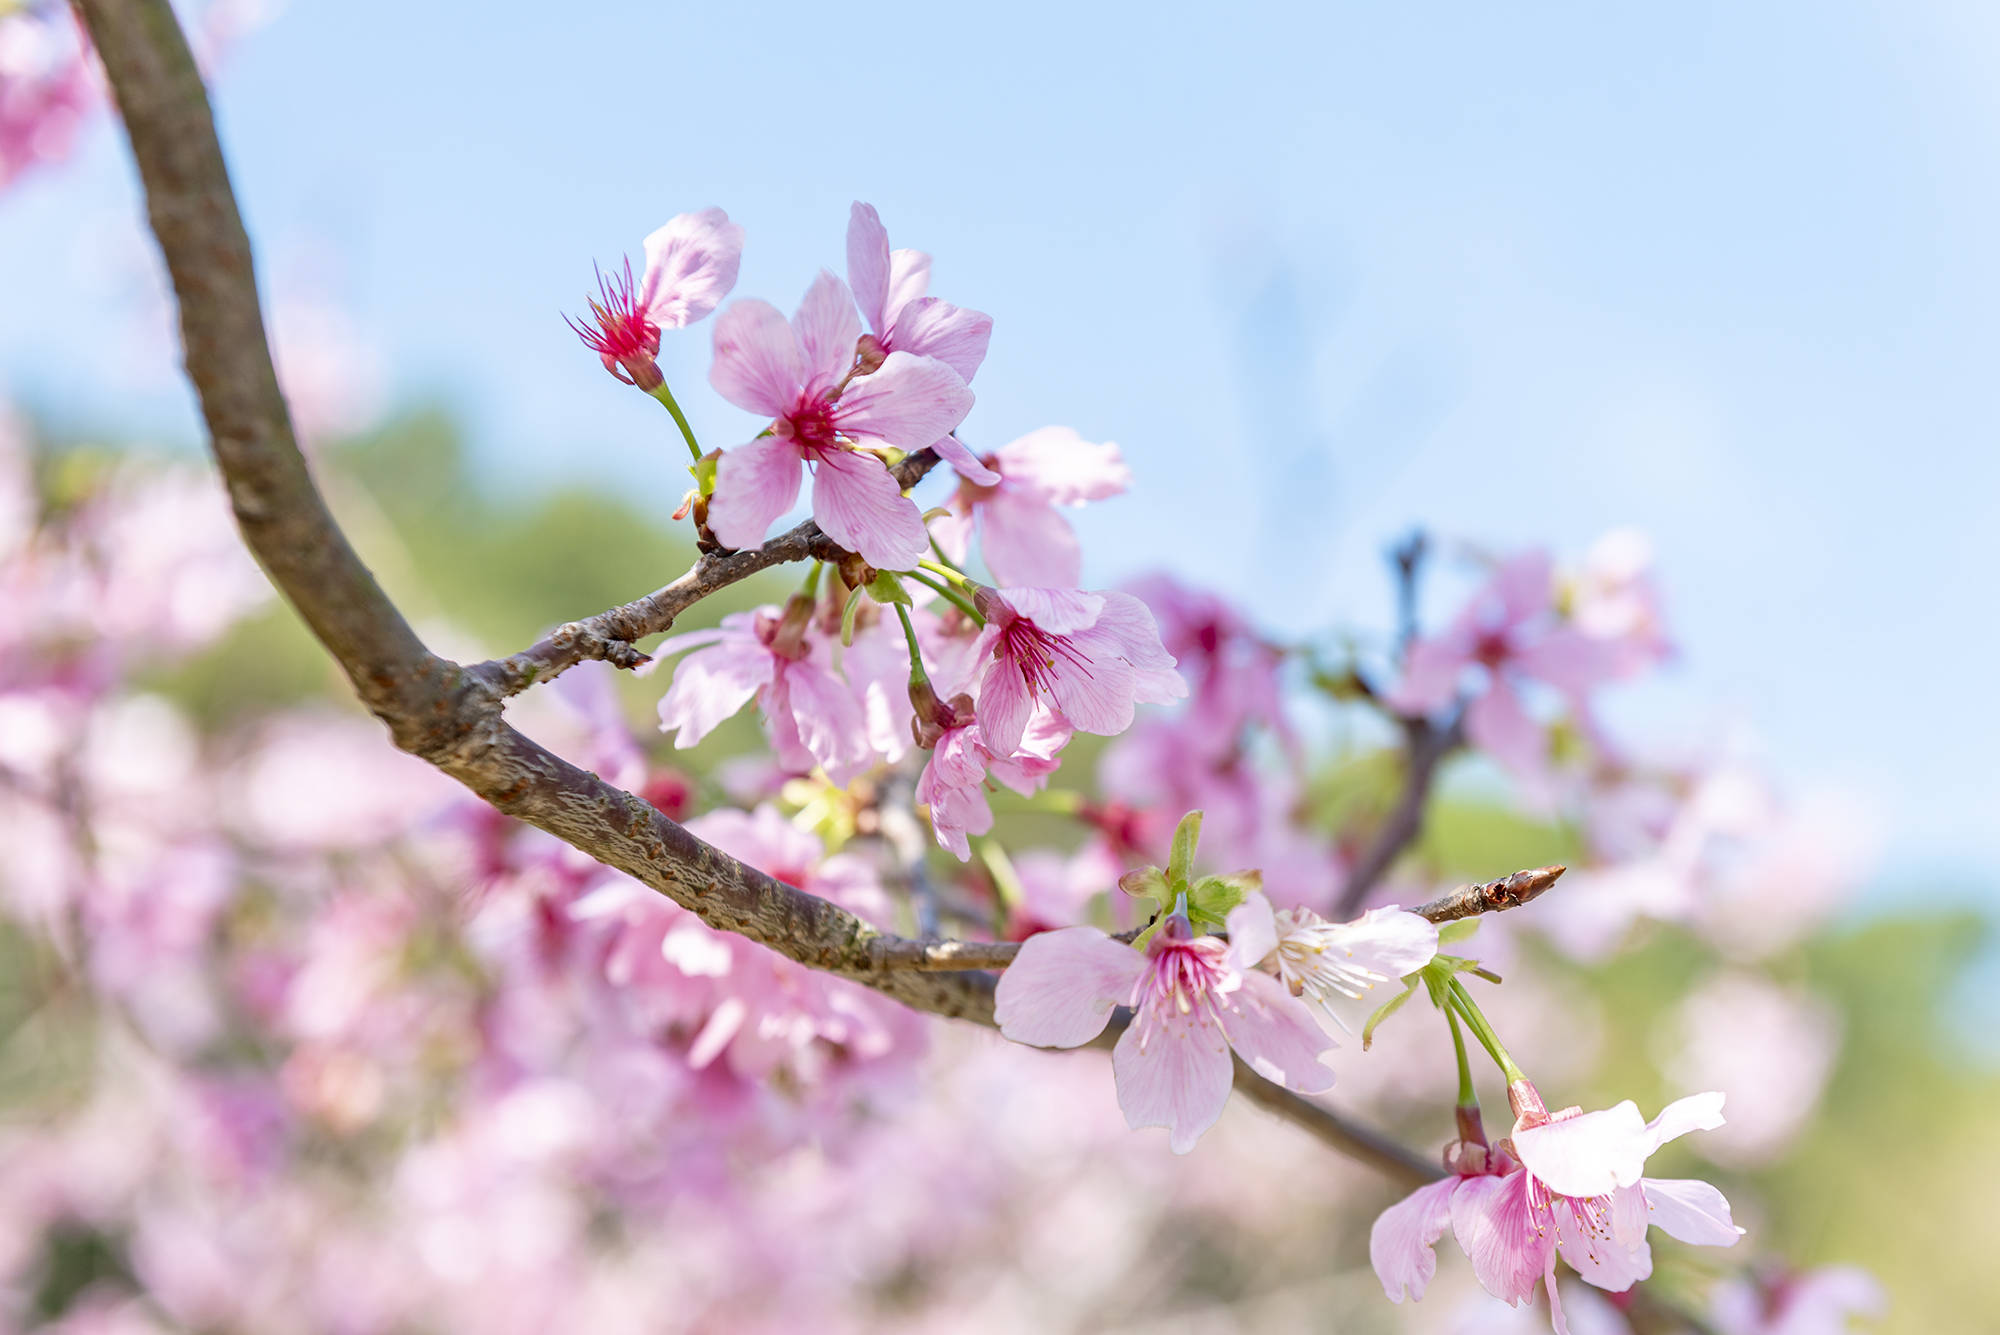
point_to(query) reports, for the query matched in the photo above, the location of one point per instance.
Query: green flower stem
(916, 653)
(1467, 1097)
(949, 594)
(954, 576)
(666, 396)
(811, 589)
(1481, 1030)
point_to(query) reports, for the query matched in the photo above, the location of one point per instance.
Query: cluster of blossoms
(408, 1064)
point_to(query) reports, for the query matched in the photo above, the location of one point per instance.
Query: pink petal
(1065, 468)
(1496, 1228)
(1402, 1244)
(754, 485)
(691, 264)
(1025, 541)
(758, 365)
(710, 685)
(1273, 1031)
(829, 721)
(954, 533)
(909, 279)
(1571, 661)
(1604, 1240)
(1095, 696)
(1499, 726)
(1130, 624)
(868, 263)
(1386, 941)
(1524, 585)
(1690, 1210)
(1696, 1112)
(1177, 1075)
(1057, 611)
(910, 403)
(1060, 990)
(1005, 704)
(859, 505)
(1591, 1154)
(1253, 932)
(952, 450)
(955, 336)
(1430, 676)
(827, 329)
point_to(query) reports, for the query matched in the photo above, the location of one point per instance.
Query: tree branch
(1425, 746)
(434, 708)
(611, 635)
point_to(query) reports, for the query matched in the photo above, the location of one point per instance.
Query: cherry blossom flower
(890, 286)
(1512, 1222)
(1320, 960)
(1089, 658)
(1233, 673)
(810, 715)
(1193, 999)
(1511, 632)
(797, 375)
(1022, 535)
(46, 88)
(952, 784)
(691, 265)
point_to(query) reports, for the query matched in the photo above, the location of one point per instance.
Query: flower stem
(666, 396)
(949, 594)
(811, 589)
(1481, 1030)
(1467, 1096)
(916, 653)
(954, 576)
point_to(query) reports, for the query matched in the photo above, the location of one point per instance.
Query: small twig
(1509, 892)
(1425, 747)
(1408, 556)
(612, 635)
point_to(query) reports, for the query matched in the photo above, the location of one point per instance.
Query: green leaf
(1186, 835)
(1212, 897)
(886, 588)
(1384, 1011)
(847, 616)
(1457, 931)
(1145, 883)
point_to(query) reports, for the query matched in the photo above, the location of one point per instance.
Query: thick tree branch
(434, 708)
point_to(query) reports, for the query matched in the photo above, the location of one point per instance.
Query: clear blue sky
(1726, 272)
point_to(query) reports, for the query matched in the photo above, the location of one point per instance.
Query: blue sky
(1520, 273)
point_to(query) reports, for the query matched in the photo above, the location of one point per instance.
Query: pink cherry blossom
(1193, 999)
(952, 784)
(1233, 673)
(1513, 1225)
(691, 264)
(799, 375)
(46, 88)
(810, 715)
(1320, 960)
(1088, 658)
(1512, 633)
(890, 286)
(1022, 535)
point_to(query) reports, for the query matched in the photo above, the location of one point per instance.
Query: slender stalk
(950, 595)
(1481, 1030)
(666, 396)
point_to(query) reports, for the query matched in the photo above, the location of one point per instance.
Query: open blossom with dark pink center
(1022, 534)
(798, 374)
(890, 286)
(691, 264)
(1088, 658)
(1512, 633)
(810, 716)
(1193, 999)
(1233, 673)
(1570, 1185)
